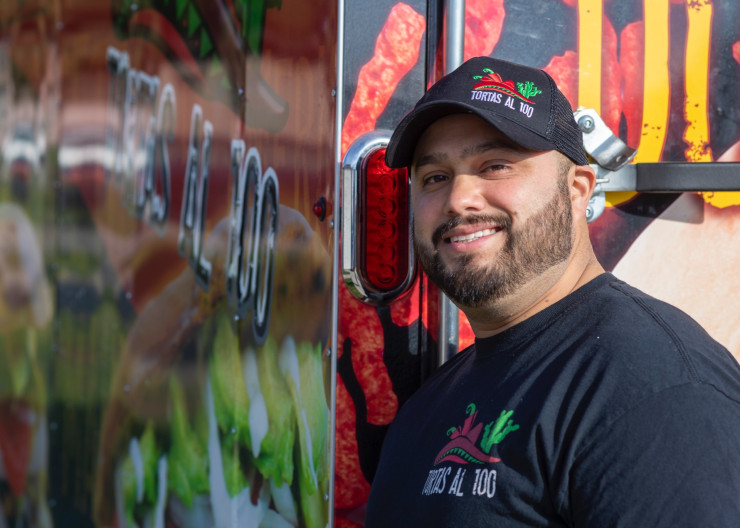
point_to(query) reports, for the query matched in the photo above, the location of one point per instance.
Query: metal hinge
(614, 172)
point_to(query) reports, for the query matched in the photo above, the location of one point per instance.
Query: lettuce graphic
(230, 401)
(303, 370)
(262, 430)
(187, 458)
(230, 397)
(139, 475)
(275, 459)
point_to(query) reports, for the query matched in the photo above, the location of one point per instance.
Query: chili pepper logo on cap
(493, 81)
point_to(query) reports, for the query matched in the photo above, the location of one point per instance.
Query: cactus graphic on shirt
(497, 431)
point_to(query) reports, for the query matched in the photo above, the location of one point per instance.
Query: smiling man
(583, 401)
(502, 221)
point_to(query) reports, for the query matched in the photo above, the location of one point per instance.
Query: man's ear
(582, 183)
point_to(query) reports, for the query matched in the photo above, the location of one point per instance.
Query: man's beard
(544, 240)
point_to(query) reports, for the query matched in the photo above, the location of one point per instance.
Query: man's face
(488, 215)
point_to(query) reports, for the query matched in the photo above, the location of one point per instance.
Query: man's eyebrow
(495, 144)
(472, 150)
(430, 159)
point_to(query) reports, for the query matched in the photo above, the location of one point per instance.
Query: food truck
(210, 310)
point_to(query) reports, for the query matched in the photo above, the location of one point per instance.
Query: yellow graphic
(616, 198)
(696, 134)
(590, 18)
(656, 88)
(657, 81)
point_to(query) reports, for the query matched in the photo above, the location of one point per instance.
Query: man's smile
(462, 238)
(461, 232)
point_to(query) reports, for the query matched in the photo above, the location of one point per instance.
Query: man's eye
(488, 169)
(434, 178)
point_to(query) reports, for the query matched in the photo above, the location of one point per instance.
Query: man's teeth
(472, 236)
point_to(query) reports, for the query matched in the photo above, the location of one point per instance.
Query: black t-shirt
(609, 408)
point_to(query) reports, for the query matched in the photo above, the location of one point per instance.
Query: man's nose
(464, 195)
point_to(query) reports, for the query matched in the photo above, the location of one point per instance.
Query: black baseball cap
(523, 103)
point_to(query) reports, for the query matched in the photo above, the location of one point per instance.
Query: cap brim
(401, 147)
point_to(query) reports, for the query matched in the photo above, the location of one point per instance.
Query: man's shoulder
(632, 311)
(656, 336)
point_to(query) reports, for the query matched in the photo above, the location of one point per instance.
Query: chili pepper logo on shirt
(463, 447)
(493, 81)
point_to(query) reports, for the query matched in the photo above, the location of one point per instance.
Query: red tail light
(385, 220)
(377, 256)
